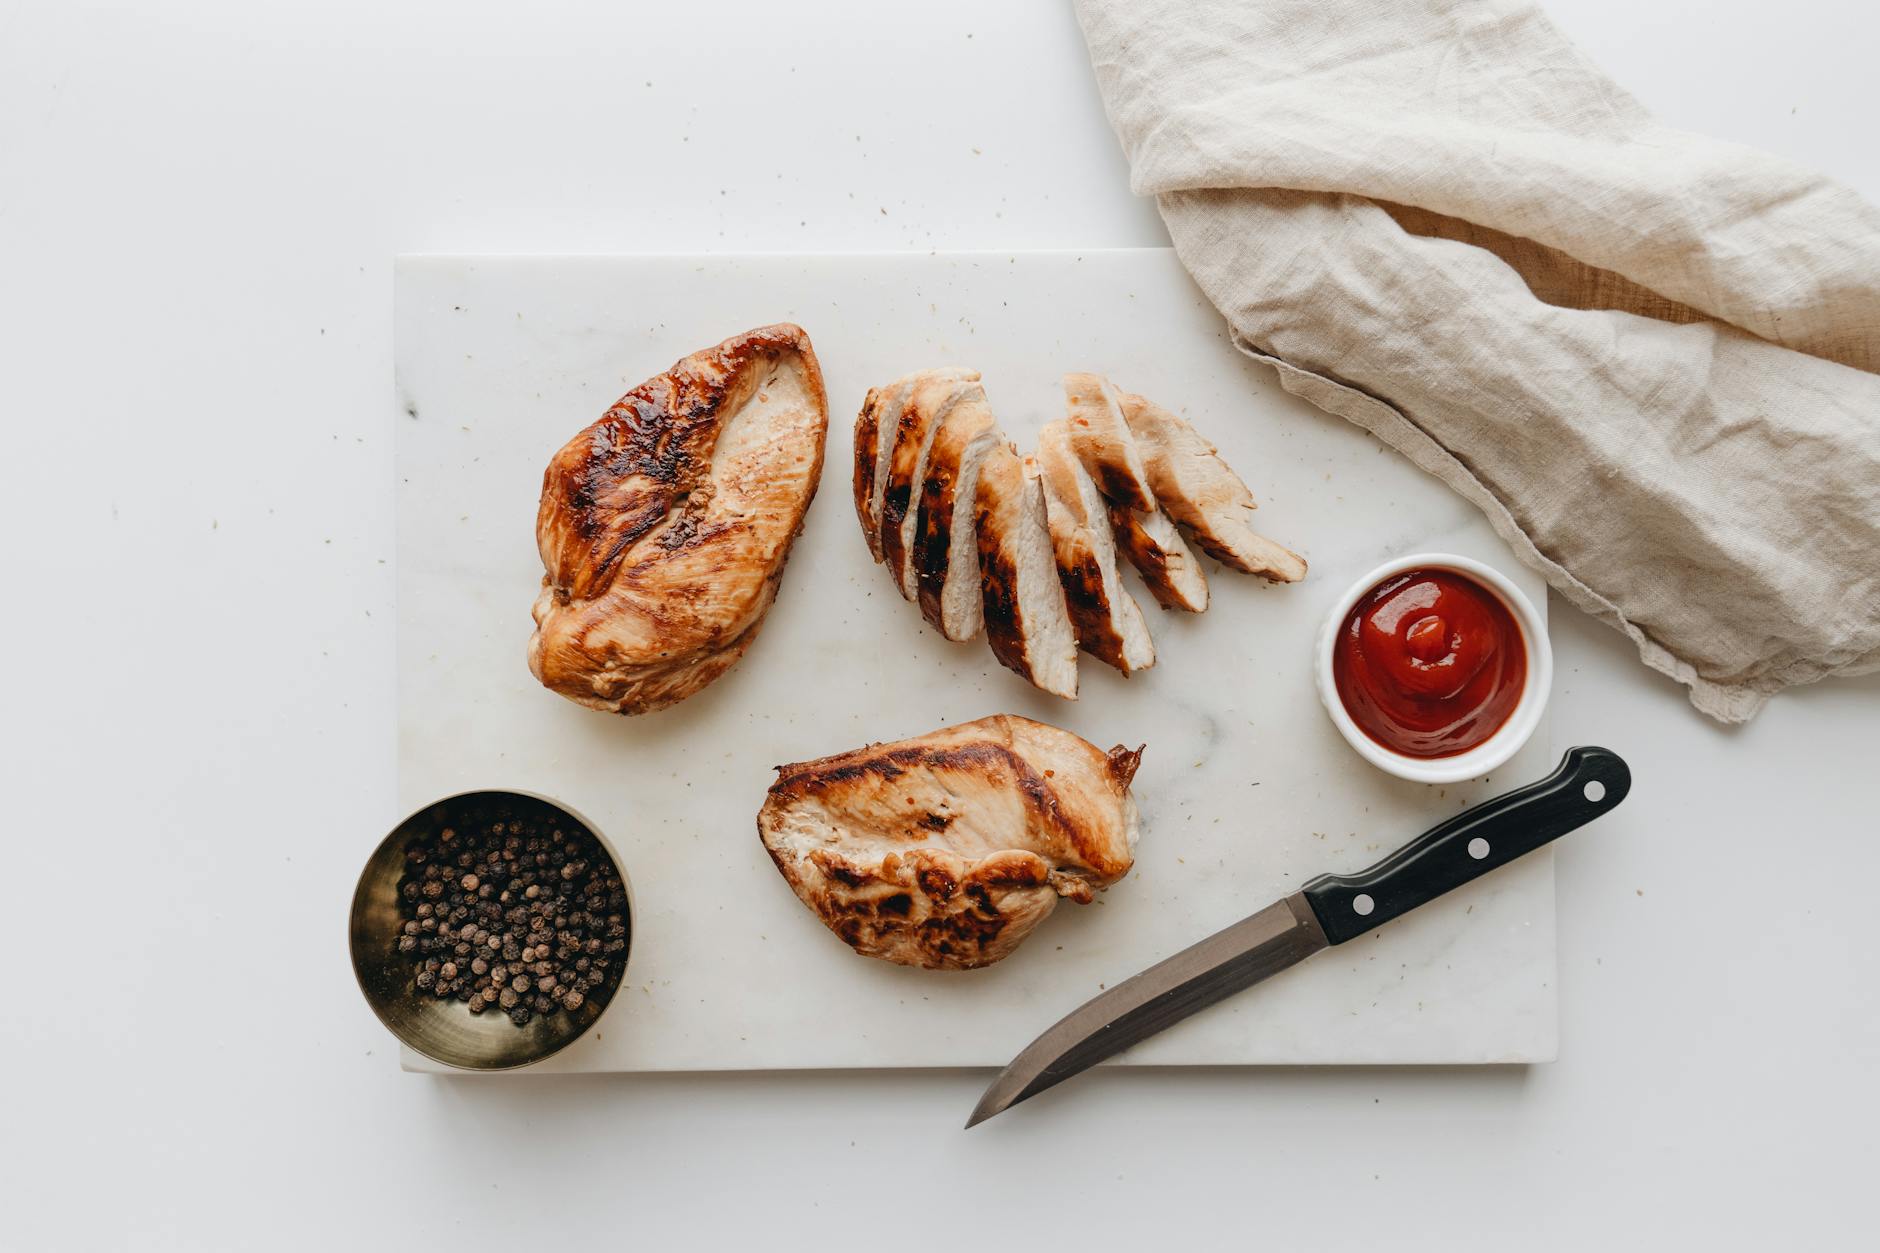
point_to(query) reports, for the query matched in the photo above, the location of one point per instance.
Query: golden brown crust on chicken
(944, 557)
(1099, 435)
(1198, 490)
(946, 850)
(1027, 623)
(867, 456)
(1169, 570)
(1110, 625)
(929, 401)
(665, 525)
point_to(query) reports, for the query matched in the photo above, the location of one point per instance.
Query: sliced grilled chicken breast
(1169, 570)
(664, 526)
(945, 851)
(928, 404)
(868, 458)
(1027, 622)
(1099, 435)
(1200, 492)
(944, 555)
(1108, 621)
(876, 429)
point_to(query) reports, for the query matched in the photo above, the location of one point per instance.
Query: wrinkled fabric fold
(1646, 355)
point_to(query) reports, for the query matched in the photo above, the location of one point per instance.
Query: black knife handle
(1448, 856)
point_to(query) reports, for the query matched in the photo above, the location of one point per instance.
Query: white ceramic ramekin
(1498, 748)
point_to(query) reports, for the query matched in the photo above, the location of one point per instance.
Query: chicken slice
(664, 526)
(1027, 622)
(1108, 621)
(928, 404)
(944, 556)
(1099, 435)
(945, 851)
(868, 472)
(1201, 493)
(1169, 570)
(875, 430)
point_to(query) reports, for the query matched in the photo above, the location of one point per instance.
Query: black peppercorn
(510, 913)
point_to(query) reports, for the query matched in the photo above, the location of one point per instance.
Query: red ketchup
(1429, 663)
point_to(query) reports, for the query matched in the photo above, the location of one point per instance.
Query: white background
(199, 203)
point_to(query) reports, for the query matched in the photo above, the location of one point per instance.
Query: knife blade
(1328, 910)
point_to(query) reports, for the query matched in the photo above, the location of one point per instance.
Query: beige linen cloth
(1648, 356)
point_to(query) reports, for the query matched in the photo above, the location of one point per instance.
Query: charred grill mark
(1089, 605)
(1144, 553)
(1005, 621)
(632, 526)
(934, 540)
(984, 757)
(980, 898)
(894, 503)
(1114, 483)
(937, 884)
(648, 463)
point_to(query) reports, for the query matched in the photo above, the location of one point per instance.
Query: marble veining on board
(1245, 789)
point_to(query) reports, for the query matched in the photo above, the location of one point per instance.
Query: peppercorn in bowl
(490, 929)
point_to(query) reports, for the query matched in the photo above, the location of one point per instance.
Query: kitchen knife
(1328, 910)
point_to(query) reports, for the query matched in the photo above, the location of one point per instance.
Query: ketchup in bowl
(1429, 663)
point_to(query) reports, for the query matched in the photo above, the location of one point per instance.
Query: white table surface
(199, 203)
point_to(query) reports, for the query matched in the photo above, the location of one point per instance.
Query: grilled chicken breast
(870, 472)
(664, 526)
(1200, 492)
(928, 407)
(904, 436)
(1028, 624)
(1109, 623)
(948, 505)
(1099, 435)
(876, 429)
(1169, 570)
(944, 556)
(946, 850)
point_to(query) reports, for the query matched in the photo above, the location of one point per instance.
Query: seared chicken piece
(1108, 621)
(869, 472)
(1027, 622)
(901, 429)
(664, 526)
(1099, 435)
(927, 408)
(944, 555)
(876, 428)
(946, 850)
(1201, 493)
(1169, 570)
(1116, 474)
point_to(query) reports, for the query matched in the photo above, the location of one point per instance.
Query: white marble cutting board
(1245, 789)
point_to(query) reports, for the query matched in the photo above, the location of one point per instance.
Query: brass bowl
(445, 1030)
